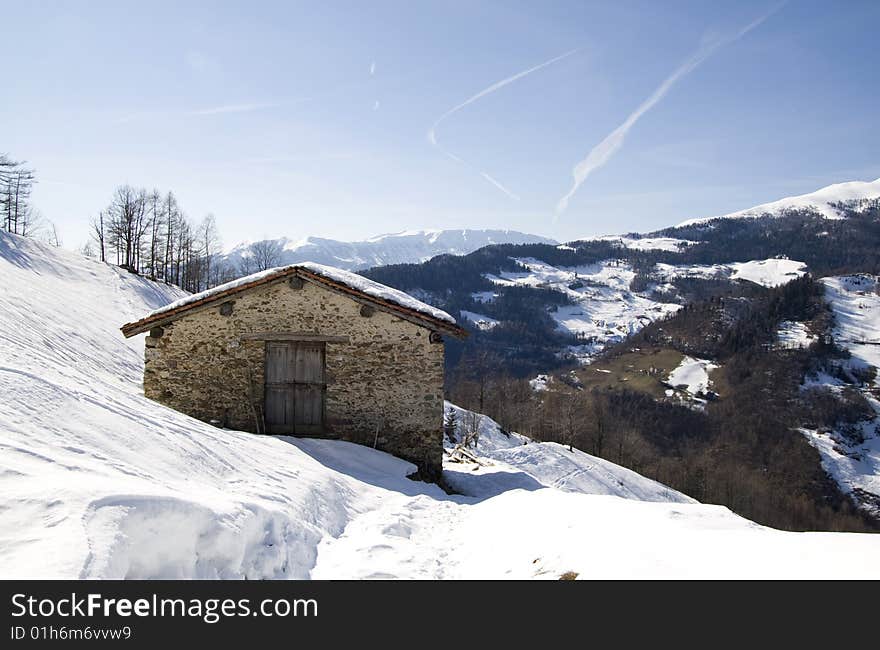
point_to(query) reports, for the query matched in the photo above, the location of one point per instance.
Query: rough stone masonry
(384, 375)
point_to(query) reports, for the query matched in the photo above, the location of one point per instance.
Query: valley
(703, 326)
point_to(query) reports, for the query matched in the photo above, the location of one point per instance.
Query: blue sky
(297, 119)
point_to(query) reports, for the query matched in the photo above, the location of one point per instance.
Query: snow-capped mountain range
(404, 247)
(414, 246)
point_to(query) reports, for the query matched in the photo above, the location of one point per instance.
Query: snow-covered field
(644, 243)
(481, 321)
(852, 456)
(692, 375)
(768, 273)
(793, 335)
(856, 304)
(690, 382)
(606, 311)
(99, 482)
(513, 459)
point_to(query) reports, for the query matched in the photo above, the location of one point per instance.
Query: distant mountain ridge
(407, 247)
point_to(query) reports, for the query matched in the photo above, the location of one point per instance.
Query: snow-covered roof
(380, 294)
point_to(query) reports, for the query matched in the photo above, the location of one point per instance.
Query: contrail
(497, 184)
(432, 132)
(602, 152)
(232, 108)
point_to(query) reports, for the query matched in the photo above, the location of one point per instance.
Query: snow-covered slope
(851, 455)
(690, 382)
(643, 243)
(792, 335)
(821, 201)
(856, 303)
(605, 311)
(99, 482)
(692, 375)
(513, 459)
(768, 273)
(405, 247)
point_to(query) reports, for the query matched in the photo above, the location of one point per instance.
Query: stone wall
(388, 377)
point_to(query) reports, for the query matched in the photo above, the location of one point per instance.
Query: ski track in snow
(99, 482)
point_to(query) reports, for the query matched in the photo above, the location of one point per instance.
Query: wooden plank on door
(309, 388)
(279, 408)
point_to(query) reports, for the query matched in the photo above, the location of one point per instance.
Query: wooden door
(294, 387)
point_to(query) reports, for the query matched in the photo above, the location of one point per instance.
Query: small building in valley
(305, 350)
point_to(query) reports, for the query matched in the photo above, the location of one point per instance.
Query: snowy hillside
(822, 201)
(398, 248)
(99, 482)
(852, 455)
(606, 310)
(642, 243)
(768, 273)
(511, 459)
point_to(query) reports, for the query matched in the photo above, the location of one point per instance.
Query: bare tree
(157, 224)
(127, 225)
(170, 214)
(52, 236)
(29, 223)
(99, 235)
(210, 243)
(265, 254)
(246, 264)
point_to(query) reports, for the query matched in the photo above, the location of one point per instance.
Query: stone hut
(305, 350)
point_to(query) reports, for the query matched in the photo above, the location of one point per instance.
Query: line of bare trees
(147, 232)
(144, 231)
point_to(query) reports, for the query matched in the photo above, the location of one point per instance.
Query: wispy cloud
(372, 68)
(602, 152)
(432, 132)
(301, 157)
(207, 111)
